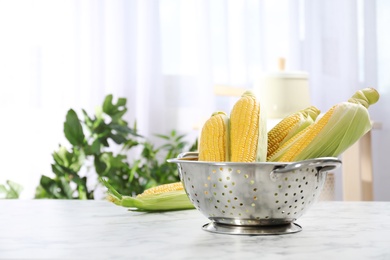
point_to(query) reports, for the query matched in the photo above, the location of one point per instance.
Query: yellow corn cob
(214, 139)
(162, 188)
(248, 137)
(160, 198)
(290, 126)
(338, 129)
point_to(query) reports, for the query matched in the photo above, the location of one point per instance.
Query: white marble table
(54, 229)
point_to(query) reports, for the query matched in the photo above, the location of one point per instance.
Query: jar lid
(288, 75)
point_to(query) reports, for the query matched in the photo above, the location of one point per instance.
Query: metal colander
(253, 198)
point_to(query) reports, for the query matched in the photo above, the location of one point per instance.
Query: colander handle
(321, 164)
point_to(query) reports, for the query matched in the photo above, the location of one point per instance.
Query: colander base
(214, 227)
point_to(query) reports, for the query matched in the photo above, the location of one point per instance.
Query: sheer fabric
(166, 56)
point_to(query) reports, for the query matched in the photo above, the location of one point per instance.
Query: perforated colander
(253, 198)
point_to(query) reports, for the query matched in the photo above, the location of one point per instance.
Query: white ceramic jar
(284, 92)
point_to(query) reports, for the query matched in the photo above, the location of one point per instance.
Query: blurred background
(166, 58)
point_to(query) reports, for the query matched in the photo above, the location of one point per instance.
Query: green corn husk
(166, 201)
(342, 126)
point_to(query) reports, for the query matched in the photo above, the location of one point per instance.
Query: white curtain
(165, 56)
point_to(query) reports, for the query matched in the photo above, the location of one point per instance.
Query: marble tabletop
(58, 229)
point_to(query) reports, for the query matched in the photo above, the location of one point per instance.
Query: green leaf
(51, 187)
(12, 191)
(66, 188)
(107, 104)
(15, 190)
(3, 191)
(73, 129)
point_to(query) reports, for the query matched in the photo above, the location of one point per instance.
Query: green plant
(10, 190)
(107, 132)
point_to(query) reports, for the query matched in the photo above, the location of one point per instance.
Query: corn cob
(214, 139)
(288, 127)
(248, 138)
(340, 127)
(160, 198)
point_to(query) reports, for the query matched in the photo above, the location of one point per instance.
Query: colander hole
(223, 211)
(231, 214)
(302, 197)
(233, 183)
(214, 185)
(286, 194)
(254, 198)
(255, 189)
(196, 194)
(208, 178)
(258, 218)
(295, 213)
(295, 194)
(295, 207)
(221, 169)
(235, 198)
(289, 186)
(253, 204)
(220, 179)
(189, 178)
(238, 171)
(286, 179)
(317, 187)
(283, 211)
(301, 191)
(206, 193)
(246, 176)
(296, 179)
(217, 201)
(225, 186)
(228, 201)
(197, 201)
(306, 183)
(223, 193)
(233, 207)
(303, 202)
(314, 195)
(206, 185)
(285, 202)
(226, 206)
(299, 186)
(241, 204)
(296, 200)
(304, 177)
(215, 194)
(247, 211)
(290, 206)
(277, 201)
(230, 169)
(228, 178)
(230, 191)
(288, 213)
(266, 216)
(252, 182)
(312, 170)
(192, 186)
(213, 171)
(280, 186)
(279, 208)
(276, 194)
